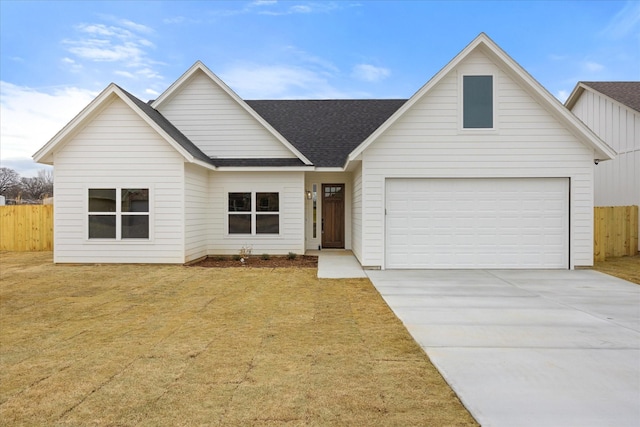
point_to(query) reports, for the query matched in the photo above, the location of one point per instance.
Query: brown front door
(333, 215)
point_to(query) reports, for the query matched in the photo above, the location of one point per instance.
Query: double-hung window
(118, 213)
(254, 213)
(477, 102)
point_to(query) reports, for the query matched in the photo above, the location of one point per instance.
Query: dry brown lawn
(627, 268)
(144, 345)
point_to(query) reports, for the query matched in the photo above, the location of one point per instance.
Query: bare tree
(38, 187)
(9, 179)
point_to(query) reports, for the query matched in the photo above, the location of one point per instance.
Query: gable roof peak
(199, 66)
(516, 71)
(626, 93)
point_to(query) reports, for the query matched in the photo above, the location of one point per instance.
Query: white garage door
(477, 223)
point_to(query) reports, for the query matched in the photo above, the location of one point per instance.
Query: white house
(612, 111)
(481, 168)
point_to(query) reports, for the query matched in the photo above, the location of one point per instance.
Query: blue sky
(55, 56)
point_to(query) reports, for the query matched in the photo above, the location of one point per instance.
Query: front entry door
(333, 215)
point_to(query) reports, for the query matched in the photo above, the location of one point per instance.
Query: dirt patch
(300, 261)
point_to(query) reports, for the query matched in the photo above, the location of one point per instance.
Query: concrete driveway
(527, 348)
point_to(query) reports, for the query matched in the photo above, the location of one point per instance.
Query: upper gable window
(477, 102)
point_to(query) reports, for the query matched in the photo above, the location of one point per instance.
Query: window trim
(494, 85)
(118, 214)
(254, 213)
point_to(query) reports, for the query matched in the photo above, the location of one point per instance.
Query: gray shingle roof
(168, 127)
(627, 93)
(326, 131)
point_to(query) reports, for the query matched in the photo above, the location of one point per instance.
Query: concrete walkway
(527, 348)
(337, 264)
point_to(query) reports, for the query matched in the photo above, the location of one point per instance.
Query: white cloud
(124, 74)
(275, 8)
(592, 67)
(253, 81)
(370, 73)
(315, 61)
(31, 117)
(139, 28)
(71, 65)
(263, 2)
(562, 95)
(124, 44)
(625, 22)
(151, 92)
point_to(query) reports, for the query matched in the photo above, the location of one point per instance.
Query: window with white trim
(477, 102)
(254, 213)
(118, 213)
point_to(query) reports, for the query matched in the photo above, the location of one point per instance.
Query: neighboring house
(481, 168)
(612, 111)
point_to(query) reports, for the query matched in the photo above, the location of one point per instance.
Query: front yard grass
(171, 345)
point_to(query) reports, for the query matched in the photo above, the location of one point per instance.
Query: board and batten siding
(617, 181)
(197, 206)
(118, 149)
(428, 142)
(217, 124)
(289, 185)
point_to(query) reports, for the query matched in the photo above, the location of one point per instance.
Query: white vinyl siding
(426, 142)
(617, 181)
(477, 223)
(356, 212)
(289, 185)
(196, 211)
(118, 149)
(215, 122)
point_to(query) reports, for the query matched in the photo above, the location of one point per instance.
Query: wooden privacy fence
(30, 228)
(615, 232)
(26, 228)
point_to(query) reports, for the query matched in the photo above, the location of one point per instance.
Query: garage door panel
(477, 223)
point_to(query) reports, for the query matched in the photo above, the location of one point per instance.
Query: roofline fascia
(330, 169)
(265, 168)
(577, 91)
(203, 164)
(199, 65)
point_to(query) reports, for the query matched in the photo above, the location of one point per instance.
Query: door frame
(342, 219)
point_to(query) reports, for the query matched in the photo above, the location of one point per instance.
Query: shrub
(266, 257)
(292, 255)
(237, 257)
(245, 251)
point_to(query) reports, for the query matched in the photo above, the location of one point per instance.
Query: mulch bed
(301, 261)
